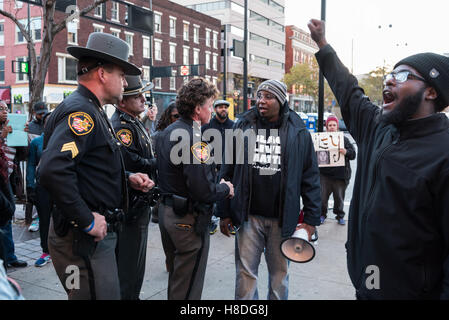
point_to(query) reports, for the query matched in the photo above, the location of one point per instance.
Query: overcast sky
(417, 26)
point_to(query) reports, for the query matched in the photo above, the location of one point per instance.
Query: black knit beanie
(435, 69)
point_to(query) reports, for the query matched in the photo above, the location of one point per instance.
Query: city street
(324, 278)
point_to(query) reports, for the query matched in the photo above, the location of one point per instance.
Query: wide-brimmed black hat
(108, 48)
(136, 86)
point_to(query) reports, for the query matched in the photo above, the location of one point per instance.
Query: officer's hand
(141, 181)
(225, 226)
(100, 228)
(231, 188)
(310, 229)
(317, 31)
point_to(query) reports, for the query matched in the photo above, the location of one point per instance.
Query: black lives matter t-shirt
(266, 171)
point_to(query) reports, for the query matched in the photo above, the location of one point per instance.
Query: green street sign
(24, 67)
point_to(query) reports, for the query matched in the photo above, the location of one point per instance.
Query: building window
(114, 11)
(146, 73)
(99, 11)
(158, 49)
(129, 38)
(172, 83)
(21, 77)
(66, 69)
(214, 62)
(18, 5)
(208, 37)
(98, 27)
(185, 80)
(214, 80)
(116, 32)
(207, 60)
(72, 37)
(2, 33)
(157, 83)
(196, 56)
(173, 27)
(36, 29)
(2, 69)
(185, 55)
(186, 31)
(215, 40)
(157, 22)
(146, 47)
(196, 34)
(172, 53)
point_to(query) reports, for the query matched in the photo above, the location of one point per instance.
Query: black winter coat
(299, 175)
(398, 236)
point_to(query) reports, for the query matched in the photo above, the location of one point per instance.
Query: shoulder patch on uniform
(125, 136)
(80, 123)
(201, 151)
(70, 146)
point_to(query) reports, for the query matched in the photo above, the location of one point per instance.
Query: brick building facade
(189, 38)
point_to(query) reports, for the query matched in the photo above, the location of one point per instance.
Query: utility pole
(225, 58)
(321, 80)
(245, 60)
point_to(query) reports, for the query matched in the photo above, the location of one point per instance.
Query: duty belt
(114, 218)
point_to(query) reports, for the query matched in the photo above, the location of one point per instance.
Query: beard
(404, 110)
(222, 116)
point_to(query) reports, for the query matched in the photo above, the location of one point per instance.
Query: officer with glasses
(398, 243)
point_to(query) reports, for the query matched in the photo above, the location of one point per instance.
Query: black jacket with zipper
(299, 174)
(398, 232)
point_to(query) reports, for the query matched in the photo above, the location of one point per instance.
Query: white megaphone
(297, 248)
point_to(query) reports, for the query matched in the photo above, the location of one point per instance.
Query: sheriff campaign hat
(136, 86)
(108, 48)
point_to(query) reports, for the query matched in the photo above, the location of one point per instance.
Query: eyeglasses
(4, 108)
(266, 96)
(402, 76)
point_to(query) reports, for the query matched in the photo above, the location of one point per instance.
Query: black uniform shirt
(184, 165)
(137, 150)
(81, 163)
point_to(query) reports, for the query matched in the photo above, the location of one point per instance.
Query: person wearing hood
(280, 167)
(398, 230)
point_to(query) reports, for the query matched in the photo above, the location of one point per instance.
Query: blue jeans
(258, 235)
(8, 243)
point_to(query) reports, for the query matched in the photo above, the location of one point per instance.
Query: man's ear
(101, 73)
(431, 94)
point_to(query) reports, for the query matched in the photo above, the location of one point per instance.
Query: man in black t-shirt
(280, 166)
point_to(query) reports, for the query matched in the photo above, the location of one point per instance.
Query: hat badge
(434, 73)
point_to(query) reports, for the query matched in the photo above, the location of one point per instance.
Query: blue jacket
(300, 176)
(34, 155)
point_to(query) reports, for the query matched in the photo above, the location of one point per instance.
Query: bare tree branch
(60, 26)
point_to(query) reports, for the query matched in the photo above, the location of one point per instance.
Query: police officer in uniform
(189, 189)
(138, 156)
(82, 169)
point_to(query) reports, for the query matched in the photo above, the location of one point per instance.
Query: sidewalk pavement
(324, 278)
